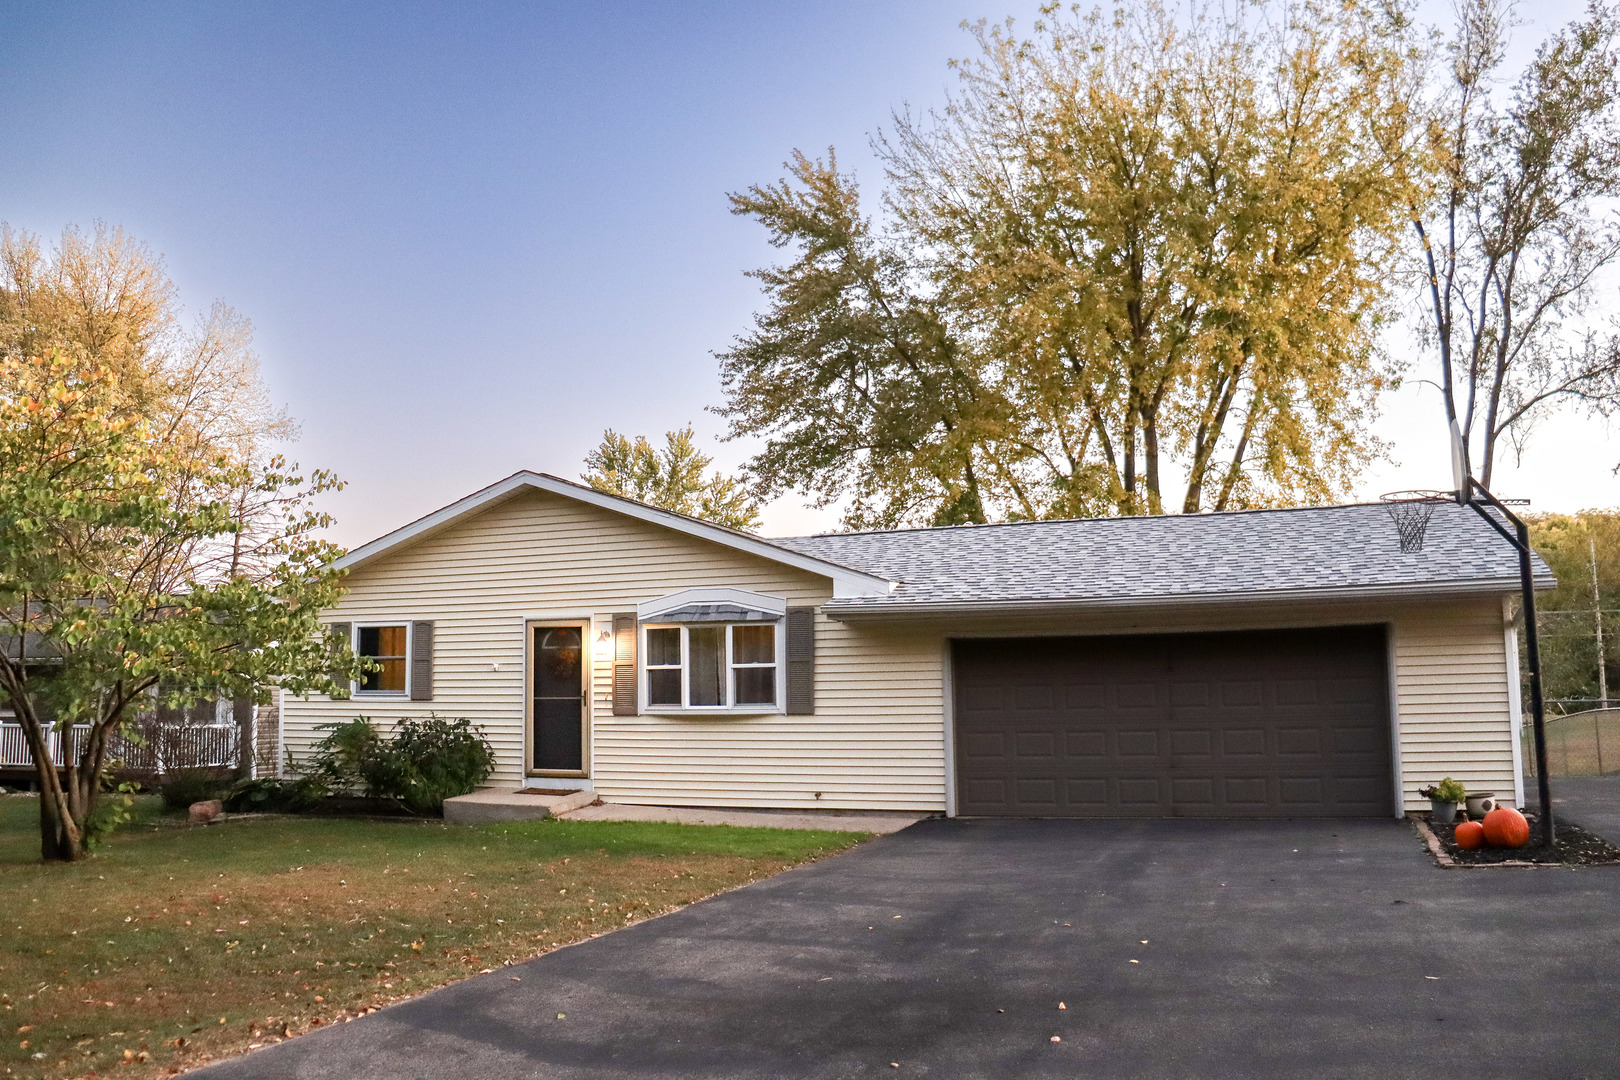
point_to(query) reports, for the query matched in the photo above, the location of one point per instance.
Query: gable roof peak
(847, 581)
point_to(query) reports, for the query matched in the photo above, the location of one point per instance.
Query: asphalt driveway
(1592, 802)
(1180, 949)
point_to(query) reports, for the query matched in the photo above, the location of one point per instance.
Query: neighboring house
(1267, 663)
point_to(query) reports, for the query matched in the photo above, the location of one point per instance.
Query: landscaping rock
(207, 811)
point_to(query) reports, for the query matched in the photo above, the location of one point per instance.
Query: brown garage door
(1290, 723)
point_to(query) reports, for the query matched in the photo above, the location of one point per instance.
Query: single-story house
(1264, 663)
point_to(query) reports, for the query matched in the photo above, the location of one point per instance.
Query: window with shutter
(624, 664)
(801, 661)
(421, 661)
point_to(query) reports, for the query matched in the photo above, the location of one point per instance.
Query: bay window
(710, 666)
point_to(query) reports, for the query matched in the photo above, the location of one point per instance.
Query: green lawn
(174, 945)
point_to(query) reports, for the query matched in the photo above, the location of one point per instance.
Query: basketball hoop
(1410, 511)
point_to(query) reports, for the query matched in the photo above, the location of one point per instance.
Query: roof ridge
(1200, 516)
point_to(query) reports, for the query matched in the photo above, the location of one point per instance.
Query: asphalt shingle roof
(1100, 560)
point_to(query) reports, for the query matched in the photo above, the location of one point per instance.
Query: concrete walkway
(838, 821)
(491, 805)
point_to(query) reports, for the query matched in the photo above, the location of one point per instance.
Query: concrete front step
(483, 807)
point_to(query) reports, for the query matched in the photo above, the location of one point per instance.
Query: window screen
(384, 646)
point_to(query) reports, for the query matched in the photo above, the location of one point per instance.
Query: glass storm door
(559, 699)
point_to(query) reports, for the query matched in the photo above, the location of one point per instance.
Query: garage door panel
(1245, 792)
(1086, 745)
(1035, 744)
(1296, 692)
(1085, 696)
(1138, 695)
(1189, 695)
(1139, 791)
(1291, 723)
(1137, 743)
(1242, 695)
(1027, 698)
(1195, 743)
(1243, 742)
(1297, 741)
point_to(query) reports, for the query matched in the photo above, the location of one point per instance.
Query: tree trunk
(58, 841)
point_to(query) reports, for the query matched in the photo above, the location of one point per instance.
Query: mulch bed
(1574, 846)
(357, 806)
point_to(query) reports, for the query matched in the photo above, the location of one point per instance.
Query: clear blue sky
(471, 236)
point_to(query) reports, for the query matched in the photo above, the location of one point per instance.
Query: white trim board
(846, 580)
(650, 610)
(1510, 645)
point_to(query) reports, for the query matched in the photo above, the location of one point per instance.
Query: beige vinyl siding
(1452, 692)
(875, 741)
(878, 737)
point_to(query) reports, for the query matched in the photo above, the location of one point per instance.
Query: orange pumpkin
(1505, 827)
(1470, 835)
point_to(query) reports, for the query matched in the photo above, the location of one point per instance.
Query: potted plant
(1444, 798)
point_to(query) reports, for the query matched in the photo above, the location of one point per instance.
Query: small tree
(117, 583)
(1521, 228)
(673, 478)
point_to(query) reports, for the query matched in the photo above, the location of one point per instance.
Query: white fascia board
(776, 605)
(901, 611)
(846, 581)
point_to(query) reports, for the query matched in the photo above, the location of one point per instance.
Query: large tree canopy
(1133, 250)
(153, 547)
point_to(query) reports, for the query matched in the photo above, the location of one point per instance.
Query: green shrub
(422, 763)
(348, 756)
(433, 760)
(267, 795)
(186, 786)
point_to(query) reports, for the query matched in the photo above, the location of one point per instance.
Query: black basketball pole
(1520, 539)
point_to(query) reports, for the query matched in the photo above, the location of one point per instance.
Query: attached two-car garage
(1283, 723)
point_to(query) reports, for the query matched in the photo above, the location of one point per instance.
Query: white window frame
(730, 707)
(354, 643)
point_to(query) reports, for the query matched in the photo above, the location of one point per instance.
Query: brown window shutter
(421, 661)
(625, 697)
(342, 639)
(801, 661)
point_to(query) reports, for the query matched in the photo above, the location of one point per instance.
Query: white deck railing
(191, 746)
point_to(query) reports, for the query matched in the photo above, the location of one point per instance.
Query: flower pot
(1480, 803)
(1442, 813)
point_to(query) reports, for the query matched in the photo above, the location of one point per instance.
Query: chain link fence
(1579, 744)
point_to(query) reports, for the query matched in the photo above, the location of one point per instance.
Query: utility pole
(1597, 610)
